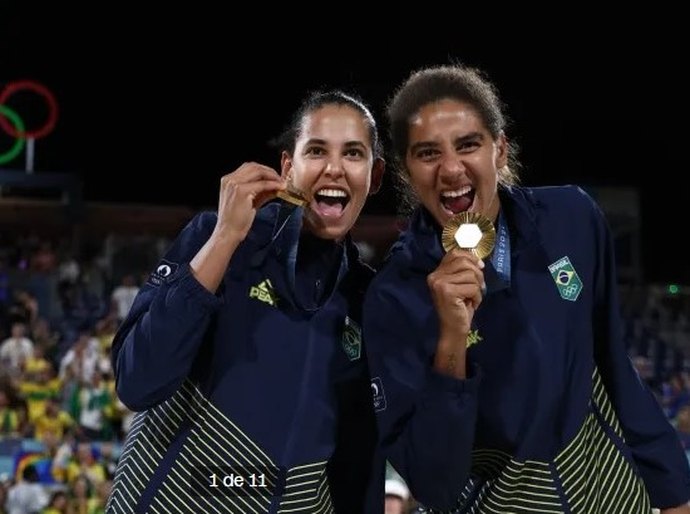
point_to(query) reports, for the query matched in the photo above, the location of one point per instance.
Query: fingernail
(481, 264)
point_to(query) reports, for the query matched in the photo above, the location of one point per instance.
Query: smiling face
(333, 163)
(453, 161)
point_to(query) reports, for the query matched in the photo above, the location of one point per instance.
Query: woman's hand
(242, 193)
(456, 289)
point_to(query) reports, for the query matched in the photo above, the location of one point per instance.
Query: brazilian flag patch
(352, 339)
(567, 280)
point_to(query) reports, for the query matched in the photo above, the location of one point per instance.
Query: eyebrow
(323, 142)
(431, 144)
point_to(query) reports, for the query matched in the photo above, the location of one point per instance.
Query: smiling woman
(244, 353)
(333, 163)
(506, 380)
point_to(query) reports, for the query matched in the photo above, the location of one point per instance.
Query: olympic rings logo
(13, 125)
(571, 290)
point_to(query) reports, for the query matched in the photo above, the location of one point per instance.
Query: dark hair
(428, 85)
(30, 473)
(55, 495)
(314, 101)
(89, 484)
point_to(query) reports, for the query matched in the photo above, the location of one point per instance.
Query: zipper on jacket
(559, 488)
(294, 426)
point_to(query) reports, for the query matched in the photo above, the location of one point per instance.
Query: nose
(334, 167)
(450, 169)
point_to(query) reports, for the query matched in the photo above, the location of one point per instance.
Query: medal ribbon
(501, 254)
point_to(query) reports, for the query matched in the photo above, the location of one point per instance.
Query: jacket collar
(276, 233)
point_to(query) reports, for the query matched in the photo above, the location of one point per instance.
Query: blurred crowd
(61, 423)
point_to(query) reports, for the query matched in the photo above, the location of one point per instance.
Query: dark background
(156, 105)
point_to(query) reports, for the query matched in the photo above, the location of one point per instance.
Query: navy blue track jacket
(553, 417)
(252, 400)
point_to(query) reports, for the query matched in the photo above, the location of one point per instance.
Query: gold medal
(469, 231)
(293, 196)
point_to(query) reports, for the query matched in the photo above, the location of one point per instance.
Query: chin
(331, 235)
(334, 233)
(335, 229)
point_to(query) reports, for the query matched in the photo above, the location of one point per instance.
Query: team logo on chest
(264, 292)
(352, 339)
(567, 280)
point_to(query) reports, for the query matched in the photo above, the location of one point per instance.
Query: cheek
(304, 174)
(489, 180)
(360, 180)
(423, 183)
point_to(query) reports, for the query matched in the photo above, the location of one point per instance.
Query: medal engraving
(469, 231)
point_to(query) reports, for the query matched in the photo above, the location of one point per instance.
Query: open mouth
(330, 203)
(459, 200)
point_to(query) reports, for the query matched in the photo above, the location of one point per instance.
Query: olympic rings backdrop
(12, 124)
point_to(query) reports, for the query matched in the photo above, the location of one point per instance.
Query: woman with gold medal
(501, 379)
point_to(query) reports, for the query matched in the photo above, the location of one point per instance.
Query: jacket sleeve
(655, 445)
(426, 420)
(155, 347)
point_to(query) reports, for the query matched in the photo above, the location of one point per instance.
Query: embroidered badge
(352, 339)
(567, 280)
(264, 292)
(162, 271)
(473, 337)
(378, 394)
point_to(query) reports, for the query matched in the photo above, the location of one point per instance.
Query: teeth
(459, 192)
(333, 193)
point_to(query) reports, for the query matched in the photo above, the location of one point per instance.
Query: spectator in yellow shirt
(9, 417)
(81, 496)
(53, 422)
(85, 464)
(38, 387)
